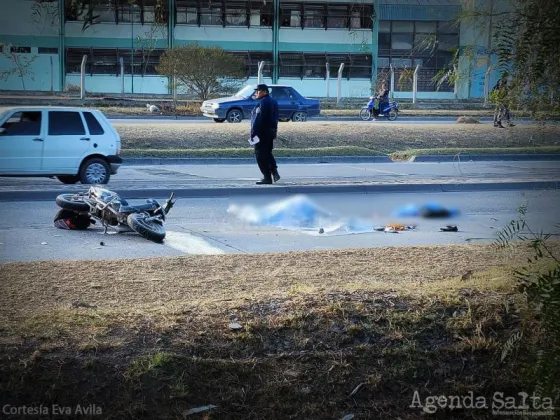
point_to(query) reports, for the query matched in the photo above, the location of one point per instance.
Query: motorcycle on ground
(390, 110)
(79, 210)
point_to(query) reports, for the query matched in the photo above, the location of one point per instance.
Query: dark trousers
(265, 160)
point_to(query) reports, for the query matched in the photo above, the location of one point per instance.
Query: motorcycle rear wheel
(392, 115)
(72, 202)
(153, 231)
(365, 114)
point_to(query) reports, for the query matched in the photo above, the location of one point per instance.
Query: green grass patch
(248, 152)
(407, 154)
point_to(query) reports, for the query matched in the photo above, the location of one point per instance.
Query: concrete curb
(245, 161)
(484, 157)
(304, 189)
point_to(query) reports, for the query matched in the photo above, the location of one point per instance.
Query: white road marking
(189, 244)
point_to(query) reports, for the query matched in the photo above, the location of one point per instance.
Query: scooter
(389, 110)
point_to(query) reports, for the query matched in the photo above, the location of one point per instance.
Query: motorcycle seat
(139, 207)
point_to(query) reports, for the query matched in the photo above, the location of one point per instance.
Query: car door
(66, 142)
(21, 143)
(285, 106)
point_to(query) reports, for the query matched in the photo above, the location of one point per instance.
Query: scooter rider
(381, 100)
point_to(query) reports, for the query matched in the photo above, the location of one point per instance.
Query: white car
(73, 144)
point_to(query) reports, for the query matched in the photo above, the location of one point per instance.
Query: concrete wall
(42, 73)
(123, 35)
(112, 84)
(235, 39)
(320, 40)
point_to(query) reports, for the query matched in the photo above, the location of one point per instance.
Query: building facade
(43, 42)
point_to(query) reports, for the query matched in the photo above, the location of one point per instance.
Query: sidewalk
(239, 179)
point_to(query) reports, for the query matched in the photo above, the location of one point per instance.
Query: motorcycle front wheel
(149, 229)
(365, 114)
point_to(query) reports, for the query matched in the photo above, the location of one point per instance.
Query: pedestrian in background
(264, 125)
(499, 96)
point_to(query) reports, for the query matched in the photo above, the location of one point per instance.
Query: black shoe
(276, 176)
(500, 126)
(264, 181)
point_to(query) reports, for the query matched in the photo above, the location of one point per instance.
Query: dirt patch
(385, 139)
(321, 334)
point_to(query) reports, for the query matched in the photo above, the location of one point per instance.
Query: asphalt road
(158, 119)
(204, 226)
(201, 176)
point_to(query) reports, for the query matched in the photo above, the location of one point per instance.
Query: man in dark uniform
(264, 125)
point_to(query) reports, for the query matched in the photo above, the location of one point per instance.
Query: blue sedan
(234, 109)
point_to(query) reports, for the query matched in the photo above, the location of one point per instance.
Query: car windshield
(246, 92)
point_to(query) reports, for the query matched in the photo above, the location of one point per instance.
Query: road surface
(204, 226)
(200, 176)
(158, 119)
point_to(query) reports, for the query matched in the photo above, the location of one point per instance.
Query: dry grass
(323, 334)
(385, 139)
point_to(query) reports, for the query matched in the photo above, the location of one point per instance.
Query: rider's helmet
(71, 220)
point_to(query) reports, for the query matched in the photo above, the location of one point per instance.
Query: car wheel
(68, 179)
(95, 171)
(299, 116)
(219, 120)
(392, 115)
(234, 116)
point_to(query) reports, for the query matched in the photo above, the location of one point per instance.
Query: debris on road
(44, 243)
(235, 326)
(449, 228)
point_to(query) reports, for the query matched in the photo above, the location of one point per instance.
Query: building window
(211, 13)
(314, 16)
(337, 16)
(45, 50)
(236, 14)
(290, 15)
(262, 14)
(187, 12)
(106, 61)
(360, 66)
(252, 59)
(401, 41)
(313, 65)
(129, 13)
(291, 65)
(20, 50)
(406, 44)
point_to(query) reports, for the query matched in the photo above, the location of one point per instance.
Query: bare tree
(202, 71)
(20, 66)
